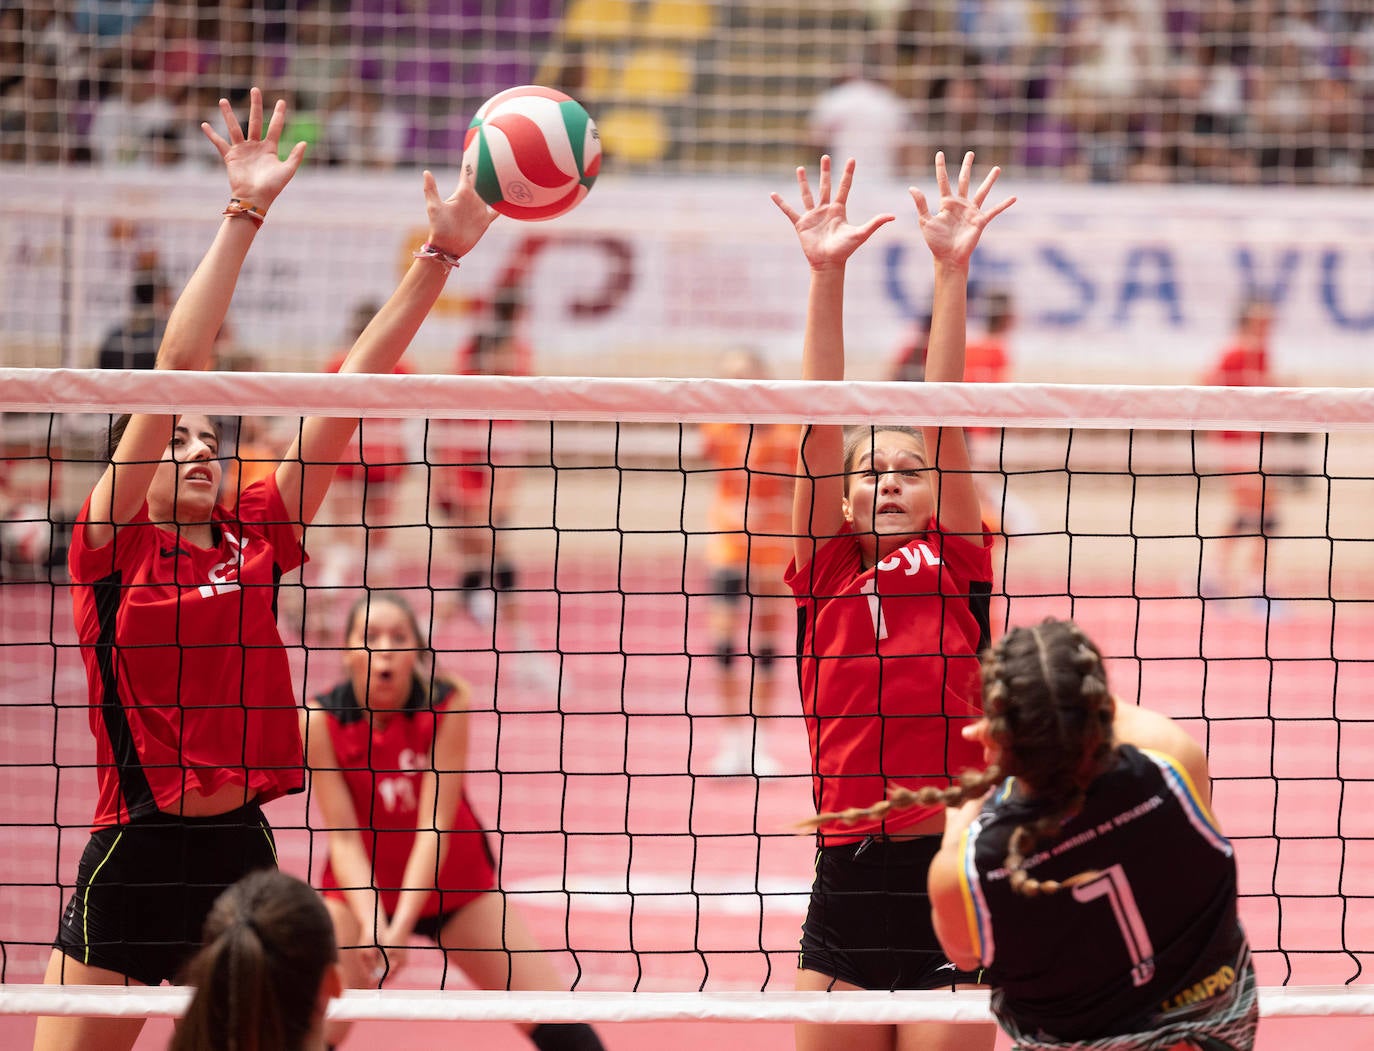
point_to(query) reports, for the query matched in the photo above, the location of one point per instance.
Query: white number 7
(1112, 884)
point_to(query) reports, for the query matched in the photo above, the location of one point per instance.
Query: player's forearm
(200, 309)
(948, 324)
(823, 343)
(420, 881)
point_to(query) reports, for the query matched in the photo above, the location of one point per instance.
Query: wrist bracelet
(445, 259)
(237, 207)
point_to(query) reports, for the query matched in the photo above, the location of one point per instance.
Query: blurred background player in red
(470, 492)
(387, 748)
(750, 546)
(365, 491)
(1252, 512)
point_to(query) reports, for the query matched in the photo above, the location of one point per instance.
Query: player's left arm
(952, 233)
(441, 792)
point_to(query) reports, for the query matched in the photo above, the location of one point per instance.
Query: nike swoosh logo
(169, 552)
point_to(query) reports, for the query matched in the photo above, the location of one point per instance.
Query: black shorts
(143, 889)
(728, 584)
(869, 923)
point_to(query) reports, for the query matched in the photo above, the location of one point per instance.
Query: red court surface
(639, 870)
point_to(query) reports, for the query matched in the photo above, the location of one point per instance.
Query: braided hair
(268, 942)
(1049, 713)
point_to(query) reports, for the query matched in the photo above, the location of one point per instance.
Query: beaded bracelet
(237, 206)
(445, 259)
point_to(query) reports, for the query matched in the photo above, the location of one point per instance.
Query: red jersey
(1241, 366)
(383, 766)
(889, 669)
(188, 680)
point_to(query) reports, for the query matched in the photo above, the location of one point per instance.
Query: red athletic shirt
(1241, 366)
(382, 768)
(188, 680)
(888, 679)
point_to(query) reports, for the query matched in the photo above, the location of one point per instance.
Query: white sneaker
(732, 760)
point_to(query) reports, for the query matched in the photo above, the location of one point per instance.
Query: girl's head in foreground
(887, 490)
(385, 651)
(185, 487)
(1049, 724)
(266, 971)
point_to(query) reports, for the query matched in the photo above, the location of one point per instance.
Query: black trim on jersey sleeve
(980, 605)
(108, 594)
(342, 703)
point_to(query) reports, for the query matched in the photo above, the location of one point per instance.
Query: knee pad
(565, 1036)
(724, 653)
(473, 578)
(766, 656)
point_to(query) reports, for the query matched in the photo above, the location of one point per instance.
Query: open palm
(953, 231)
(823, 228)
(252, 162)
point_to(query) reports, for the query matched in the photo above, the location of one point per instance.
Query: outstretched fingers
(255, 114)
(276, 125)
(941, 175)
(994, 212)
(792, 214)
(804, 185)
(966, 174)
(922, 208)
(825, 178)
(846, 180)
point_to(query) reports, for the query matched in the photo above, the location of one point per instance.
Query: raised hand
(823, 228)
(256, 172)
(952, 232)
(457, 222)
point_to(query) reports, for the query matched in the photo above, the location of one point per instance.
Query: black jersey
(1151, 937)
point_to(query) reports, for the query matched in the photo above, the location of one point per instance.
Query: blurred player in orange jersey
(751, 544)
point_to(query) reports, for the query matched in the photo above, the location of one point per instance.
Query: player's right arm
(828, 240)
(347, 855)
(949, 897)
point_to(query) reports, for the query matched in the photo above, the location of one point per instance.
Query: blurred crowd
(1217, 91)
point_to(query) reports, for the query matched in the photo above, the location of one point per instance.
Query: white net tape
(1031, 405)
(420, 1006)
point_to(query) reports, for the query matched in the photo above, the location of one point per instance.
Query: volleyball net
(558, 539)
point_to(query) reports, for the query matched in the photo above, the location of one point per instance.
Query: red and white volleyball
(532, 152)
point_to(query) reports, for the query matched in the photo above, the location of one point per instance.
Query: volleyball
(532, 152)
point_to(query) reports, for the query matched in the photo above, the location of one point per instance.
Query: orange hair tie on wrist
(238, 207)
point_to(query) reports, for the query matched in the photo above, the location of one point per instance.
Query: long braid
(1061, 735)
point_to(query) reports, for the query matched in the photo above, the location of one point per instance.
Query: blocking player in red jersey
(174, 596)
(387, 748)
(892, 574)
(1092, 881)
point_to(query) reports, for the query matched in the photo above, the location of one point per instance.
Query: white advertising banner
(658, 276)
